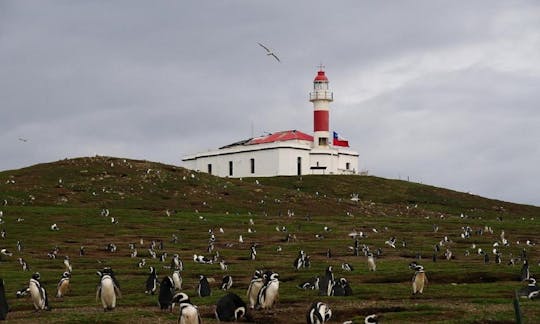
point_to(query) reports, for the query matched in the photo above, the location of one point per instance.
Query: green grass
(462, 290)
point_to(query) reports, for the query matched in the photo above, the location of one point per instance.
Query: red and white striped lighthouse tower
(321, 98)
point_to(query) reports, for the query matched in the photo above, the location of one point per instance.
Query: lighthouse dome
(321, 77)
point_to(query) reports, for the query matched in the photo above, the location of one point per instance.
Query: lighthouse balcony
(321, 95)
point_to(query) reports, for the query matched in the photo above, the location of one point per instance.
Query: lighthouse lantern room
(287, 153)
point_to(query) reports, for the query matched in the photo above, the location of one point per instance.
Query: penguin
(344, 286)
(255, 286)
(371, 262)
(67, 264)
(525, 274)
(203, 288)
(371, 319)
(299, 261)
(325, 285)
(63, 285)
(253, 251)
(226, 283)
(38, 293)
(108, 289)
(166, 292)
(347, 267)
(230, 308)
(189, 314)
(177, 280)
(419, 279)
(176, 263)
(4, 308)
(312, 284)
(530, 291)
(318, 313)
(151, 282)
(269, 293)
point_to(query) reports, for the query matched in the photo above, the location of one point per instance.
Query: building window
(252, 164)
(348, 165)
(209, 168)
(299, 165)
(323, 141)
(230, 168)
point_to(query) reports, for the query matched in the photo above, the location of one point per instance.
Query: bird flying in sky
(269, 52)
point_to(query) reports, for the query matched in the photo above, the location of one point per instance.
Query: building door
(299, 166)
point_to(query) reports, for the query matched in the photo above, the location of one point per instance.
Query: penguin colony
(263, 289)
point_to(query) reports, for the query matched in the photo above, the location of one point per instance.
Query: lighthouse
(287, 152)
(321, 97)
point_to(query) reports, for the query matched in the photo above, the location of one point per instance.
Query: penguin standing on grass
(63, 285)
(325, 285)
(269, 293)
(203, 289)
(230, 308)
(189, 314)
(108, 289)
(166, 292)
(4, 308)
(151, 282)
(255, 286)
(38, 293)
(419, 279)
(177, 280)
(318, 313)
(226, 283)
(371, 262)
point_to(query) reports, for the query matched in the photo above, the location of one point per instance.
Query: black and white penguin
(318, 313)
(341, 288)
(63, 285)
(38, 293)
(312, 284)
(189, 314)
(325, 285)
(371, 319)
(254, 288)
(253, 251)
(525, 274)
(530, 291)
(371, 262)
(269, 293)
(299, 261)
(230, 308)
(203, 288)
(226, 283)
(419, 279)
(166, 293)
(67, 264)
(4, 308)
(177, 280)
(108, 289)
(151, 282)
(347, 267)
(176, 263)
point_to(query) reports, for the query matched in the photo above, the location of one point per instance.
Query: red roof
(321, 77)
(289, 135)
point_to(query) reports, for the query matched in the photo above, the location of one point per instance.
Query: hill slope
(181, 209)
(121, 183)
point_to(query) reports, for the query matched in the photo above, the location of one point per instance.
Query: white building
(287, 152)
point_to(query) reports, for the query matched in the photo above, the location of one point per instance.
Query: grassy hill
(154, 201)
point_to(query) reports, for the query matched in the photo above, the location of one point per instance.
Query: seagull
(269, 52)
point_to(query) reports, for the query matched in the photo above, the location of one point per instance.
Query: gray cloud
(442, 92)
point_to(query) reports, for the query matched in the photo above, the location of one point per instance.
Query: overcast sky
(445, 93)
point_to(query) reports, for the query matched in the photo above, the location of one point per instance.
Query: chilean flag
(340, 142)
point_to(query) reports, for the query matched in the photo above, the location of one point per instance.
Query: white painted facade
(287, 154)
(287, 158)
